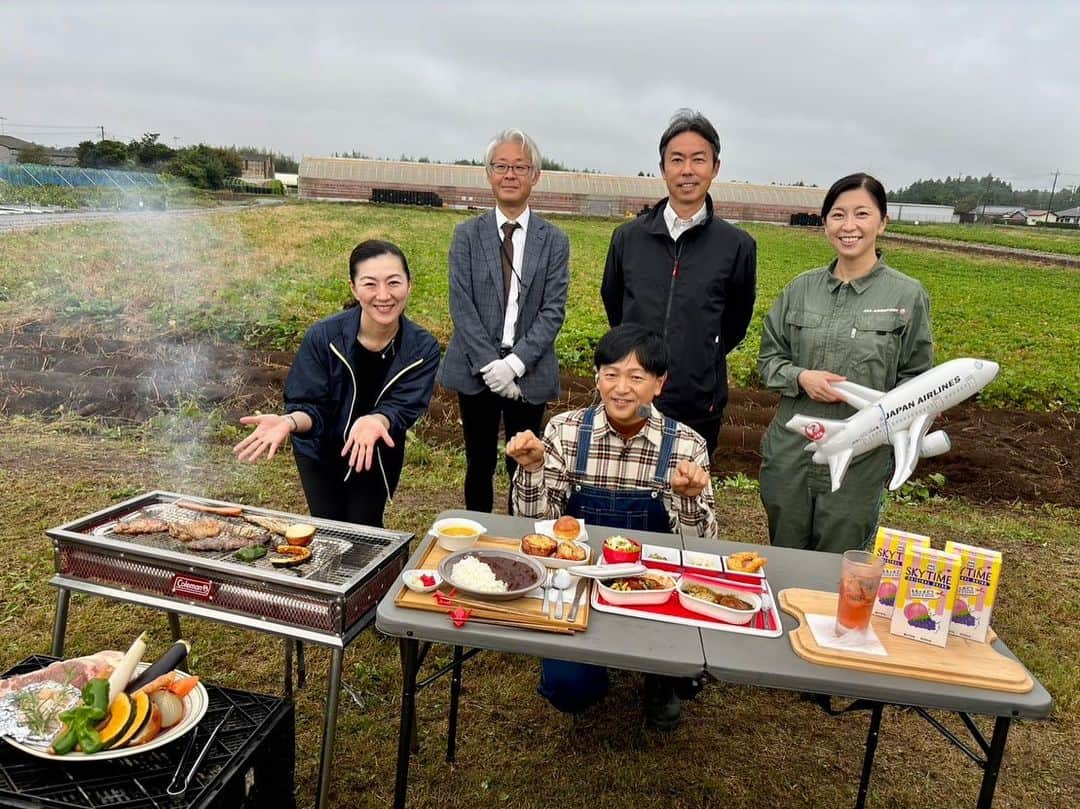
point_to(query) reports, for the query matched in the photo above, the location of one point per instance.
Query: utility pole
(985, 191)
(1050, 204)
(102, 128)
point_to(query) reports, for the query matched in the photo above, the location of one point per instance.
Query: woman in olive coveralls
(855, 319)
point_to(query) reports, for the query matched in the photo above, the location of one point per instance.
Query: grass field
(1046, 240)
(262, 277)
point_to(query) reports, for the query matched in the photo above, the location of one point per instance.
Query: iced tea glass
(860, 576)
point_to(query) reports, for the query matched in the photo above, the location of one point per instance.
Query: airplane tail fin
(814, 430)
(838, 465)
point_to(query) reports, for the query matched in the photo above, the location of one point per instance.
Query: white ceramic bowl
(658, 554)
(457, 543)
(710, 562)
(412, 580)
(732, 616)
(638, 598)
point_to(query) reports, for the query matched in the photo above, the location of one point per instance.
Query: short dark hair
(630, 338)
(372, 248)
(688, 120)
(859, 179)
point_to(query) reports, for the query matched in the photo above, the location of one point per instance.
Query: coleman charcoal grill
(327, 600)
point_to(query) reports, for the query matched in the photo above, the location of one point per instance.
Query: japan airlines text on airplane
(900, 417)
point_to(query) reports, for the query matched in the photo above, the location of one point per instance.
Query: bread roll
(567, 528)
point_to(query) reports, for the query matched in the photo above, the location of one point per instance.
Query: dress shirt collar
(677, 226)
(501, 219)
(653, 430)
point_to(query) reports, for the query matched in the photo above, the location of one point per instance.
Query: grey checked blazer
(476, 306)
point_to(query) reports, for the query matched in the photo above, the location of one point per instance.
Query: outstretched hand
(366, 432)
(817, 387)
(689, 479)
(269, 434)
(527, 450)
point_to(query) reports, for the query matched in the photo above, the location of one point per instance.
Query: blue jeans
(572, 687)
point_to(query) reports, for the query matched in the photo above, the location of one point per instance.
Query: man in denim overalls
(624, 465)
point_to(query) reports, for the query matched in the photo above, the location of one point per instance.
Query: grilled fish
(222, 542)
(141, 525)
(271, 524)
(246, 531)
(194, 530)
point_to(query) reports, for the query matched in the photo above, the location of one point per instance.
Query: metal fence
(32, 174)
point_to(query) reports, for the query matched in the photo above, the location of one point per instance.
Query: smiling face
(511, 189)
(853, 224)
(625, 386)
(381, 287)
(689, 167)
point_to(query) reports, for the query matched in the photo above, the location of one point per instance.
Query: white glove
(498, 375)
(512, 391)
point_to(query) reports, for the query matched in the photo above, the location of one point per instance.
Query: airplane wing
(858, 396)
(906, 446)
(838, 465)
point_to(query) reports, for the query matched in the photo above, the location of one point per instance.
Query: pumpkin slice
(142, 716)
(121, 715)
(150, 729)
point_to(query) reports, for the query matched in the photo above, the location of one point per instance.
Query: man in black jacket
(688, 275)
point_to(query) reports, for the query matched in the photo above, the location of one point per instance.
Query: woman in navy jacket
(360, 380)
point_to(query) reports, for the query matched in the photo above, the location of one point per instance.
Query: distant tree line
(967, 193)
(546, 164)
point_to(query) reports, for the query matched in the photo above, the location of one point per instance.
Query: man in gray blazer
(508, 279)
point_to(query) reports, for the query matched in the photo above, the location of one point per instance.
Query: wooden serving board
(960, 662)
(519, 612)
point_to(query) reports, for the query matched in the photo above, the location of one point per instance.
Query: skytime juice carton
(889, 544)
(926, 594)
(980, 570)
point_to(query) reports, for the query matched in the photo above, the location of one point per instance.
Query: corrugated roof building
(339, 178)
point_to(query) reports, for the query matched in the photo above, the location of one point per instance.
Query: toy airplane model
(900, 417)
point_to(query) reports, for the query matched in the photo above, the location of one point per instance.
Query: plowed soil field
(997, 456)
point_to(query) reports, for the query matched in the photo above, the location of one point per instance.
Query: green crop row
(1043, 240)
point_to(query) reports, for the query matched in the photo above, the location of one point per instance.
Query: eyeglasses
(520, 169)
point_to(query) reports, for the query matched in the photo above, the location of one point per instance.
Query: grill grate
(351, 569)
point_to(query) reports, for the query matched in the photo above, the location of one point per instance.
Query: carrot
(159, 683)
(183, 686)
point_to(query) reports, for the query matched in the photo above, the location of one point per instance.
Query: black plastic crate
(250, 764)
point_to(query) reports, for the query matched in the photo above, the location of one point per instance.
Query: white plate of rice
(492, 575)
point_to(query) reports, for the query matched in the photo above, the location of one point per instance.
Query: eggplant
(173, 657)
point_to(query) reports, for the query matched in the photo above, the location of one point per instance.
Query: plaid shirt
(616, 464)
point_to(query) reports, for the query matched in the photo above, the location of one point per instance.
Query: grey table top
(661, 648)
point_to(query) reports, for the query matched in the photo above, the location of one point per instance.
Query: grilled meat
(196, 529)
(274, 526)
(141, 525)
(222, 542)
(246, 531)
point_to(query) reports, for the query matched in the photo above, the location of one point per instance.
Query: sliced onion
(170, 705)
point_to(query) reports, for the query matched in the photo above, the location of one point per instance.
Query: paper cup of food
(649, 588)
(457, 533)
(421, 581)
(620, 549)
(728, 604)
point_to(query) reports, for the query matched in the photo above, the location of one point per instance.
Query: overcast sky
(798, 90)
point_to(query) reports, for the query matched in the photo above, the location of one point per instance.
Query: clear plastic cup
(860, 576)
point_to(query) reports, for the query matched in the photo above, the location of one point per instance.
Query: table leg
(455, 695)
(174, 626)
(409, 650)
(868, 758)
(60, 622)
(337, 658)
(993, 762)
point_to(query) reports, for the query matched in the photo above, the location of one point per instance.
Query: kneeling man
(624, 465)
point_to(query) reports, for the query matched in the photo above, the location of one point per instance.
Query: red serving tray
(767, 625)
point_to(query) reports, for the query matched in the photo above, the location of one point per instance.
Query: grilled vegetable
(141, 717)
(164, 664)
(121, 716)
(250, 553)
(291, 555)
(300, 534)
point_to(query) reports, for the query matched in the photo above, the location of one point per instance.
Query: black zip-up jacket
(321, 384)
(698, 293)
